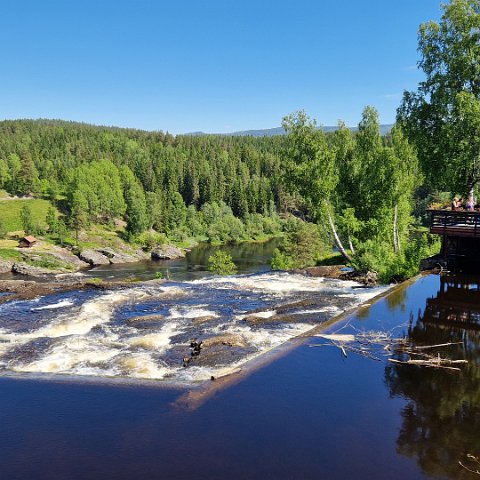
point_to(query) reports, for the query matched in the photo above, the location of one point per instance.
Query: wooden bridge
(459, 223)
(461, 236)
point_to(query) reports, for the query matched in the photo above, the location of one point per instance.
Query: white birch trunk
(396, 246)
(338, 242)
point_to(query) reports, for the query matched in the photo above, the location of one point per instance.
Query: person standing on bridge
(456, 204)
(470, 206)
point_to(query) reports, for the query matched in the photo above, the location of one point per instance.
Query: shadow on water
(441, 420)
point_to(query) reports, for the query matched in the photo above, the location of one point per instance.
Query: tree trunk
(338, 242)
(351, 245)
(396, 246)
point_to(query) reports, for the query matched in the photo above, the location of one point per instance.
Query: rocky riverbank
(44, 260)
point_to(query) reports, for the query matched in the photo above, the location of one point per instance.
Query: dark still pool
(333, 407)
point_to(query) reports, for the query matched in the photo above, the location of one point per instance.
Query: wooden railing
(455, 223)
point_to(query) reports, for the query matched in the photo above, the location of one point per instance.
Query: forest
(360, 193)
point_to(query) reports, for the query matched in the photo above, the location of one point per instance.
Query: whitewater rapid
(146, 331)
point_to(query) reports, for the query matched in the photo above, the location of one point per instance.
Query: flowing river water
(310, 413)
(152, 331)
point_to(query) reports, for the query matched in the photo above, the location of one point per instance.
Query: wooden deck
(455, 223)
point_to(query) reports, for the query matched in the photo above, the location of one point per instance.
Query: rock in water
(94, 258)
(167, 252)
(5, 266)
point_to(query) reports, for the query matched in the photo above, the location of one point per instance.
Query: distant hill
(271, 132)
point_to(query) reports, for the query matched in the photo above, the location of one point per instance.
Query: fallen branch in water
(474, 460)
(435, 362)
(366, 344)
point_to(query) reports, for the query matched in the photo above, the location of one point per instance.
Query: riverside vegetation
(363, 193)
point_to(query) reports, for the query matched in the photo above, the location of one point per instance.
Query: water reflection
(441, 421)
(250, 257)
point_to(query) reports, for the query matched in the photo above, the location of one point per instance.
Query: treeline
(357, 188)
(151, 179)
(360, 190)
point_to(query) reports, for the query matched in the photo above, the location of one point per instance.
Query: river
(309, 413)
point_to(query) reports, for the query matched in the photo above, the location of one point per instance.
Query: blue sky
(209, 65)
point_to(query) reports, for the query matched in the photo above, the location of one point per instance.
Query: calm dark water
(311, 414)
(249, 257)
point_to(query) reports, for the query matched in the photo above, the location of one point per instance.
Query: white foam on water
(157, 341)
(262, 314)
(276, 283)
(68, 354)
(191, 312)
(142, 365)
(54, 306)
(329, 309)
(92, 313)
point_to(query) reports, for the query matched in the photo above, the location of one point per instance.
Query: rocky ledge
(167, 252)
(341, 272)
(106, 256)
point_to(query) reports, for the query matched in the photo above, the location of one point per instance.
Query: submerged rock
(204, 319)
(230, 340)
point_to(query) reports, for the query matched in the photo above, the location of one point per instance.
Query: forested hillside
(149, 178)
(356, 187)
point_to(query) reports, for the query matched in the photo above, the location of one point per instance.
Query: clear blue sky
(209, 65)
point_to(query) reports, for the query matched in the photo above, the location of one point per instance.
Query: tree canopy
(441, 118)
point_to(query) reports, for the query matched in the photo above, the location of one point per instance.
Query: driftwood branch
(475, 461)
(367, 344)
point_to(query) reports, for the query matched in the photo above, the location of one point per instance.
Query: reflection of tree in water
(441, 422)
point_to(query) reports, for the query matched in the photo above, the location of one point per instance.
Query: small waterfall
(180, 331)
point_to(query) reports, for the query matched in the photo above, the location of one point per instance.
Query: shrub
(302, 246)
(221, 263)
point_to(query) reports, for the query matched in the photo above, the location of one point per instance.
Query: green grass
(48, 261)
(10, 212)
(10, 254)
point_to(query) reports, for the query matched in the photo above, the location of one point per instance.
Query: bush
(150, 240)
(390, 266)
(221, 263)
(302, 246)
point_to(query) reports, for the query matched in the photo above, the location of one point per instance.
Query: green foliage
(158, 275)
(10, 212)
(50, 262)
(52, 220)
(136, 209)
(3, 229)
(27, 220)
(149, 240)
(221, 263)
(302, 246)
(441, 117)
(391, 266)
(10, 254)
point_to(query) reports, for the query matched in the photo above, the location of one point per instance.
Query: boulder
(229, 340)
(5, 266)
(327, 271)
(167, 252)
(24, 269)
(94, 258)
(117, 257)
